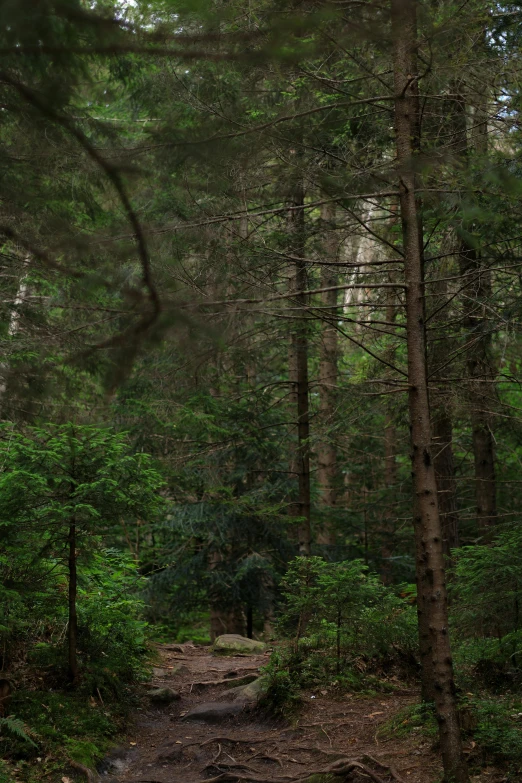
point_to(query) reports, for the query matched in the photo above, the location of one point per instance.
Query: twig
(393, 772)
(218, 754)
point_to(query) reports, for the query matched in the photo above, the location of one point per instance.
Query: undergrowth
(342, 629)
(58, 727)
(48, 723)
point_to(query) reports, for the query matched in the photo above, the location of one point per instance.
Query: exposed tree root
(393, 772)
(246, 741)
(342, 767)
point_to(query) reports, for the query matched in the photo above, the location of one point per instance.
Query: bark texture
(440, 347)
(390, 460)
(326, 453)
(431, 582)
(298, 370)
(14, 325)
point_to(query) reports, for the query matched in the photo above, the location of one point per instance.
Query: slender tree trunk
(72, 628)
(441, 404)
(476, 280)
(326, 453)
(14, 325)
(431, 581)
(390, 460)
(298, 370)
(481, 377)
(442, 437)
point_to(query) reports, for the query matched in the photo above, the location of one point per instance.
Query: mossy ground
(64, 726)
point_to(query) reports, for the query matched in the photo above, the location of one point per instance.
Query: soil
(164, 747)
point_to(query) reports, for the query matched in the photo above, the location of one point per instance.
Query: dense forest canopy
(260, 300)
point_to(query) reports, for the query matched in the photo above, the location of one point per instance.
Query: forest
(260, 386)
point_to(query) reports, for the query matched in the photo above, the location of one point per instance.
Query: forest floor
(167, 746)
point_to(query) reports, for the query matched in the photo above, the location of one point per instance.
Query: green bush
(486, 612)
(341, 627)
(343, 610)
(111, 636)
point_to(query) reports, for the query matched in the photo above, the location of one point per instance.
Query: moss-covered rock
(234, 644)
(250, 693)
(162, 696)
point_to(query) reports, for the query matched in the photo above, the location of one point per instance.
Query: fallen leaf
(132, 743)
(179, 742)
(373, 714)
(66, 780)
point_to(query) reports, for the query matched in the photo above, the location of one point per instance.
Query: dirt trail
(165, 747)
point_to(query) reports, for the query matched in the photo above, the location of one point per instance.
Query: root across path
(206, 735)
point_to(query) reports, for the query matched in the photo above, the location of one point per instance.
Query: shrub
(341, 626)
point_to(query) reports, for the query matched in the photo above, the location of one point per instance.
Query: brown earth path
(164, 747)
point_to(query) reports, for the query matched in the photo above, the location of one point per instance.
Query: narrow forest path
(232, 741)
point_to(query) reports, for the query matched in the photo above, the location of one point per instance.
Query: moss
(64, 726)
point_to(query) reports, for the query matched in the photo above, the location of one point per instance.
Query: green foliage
(112, 637)
(341, 607)
(497, 730)
(5, 774)
(411, 719)
(17, 728)
(488, 586)
(487, 596)
(64, 726)
(50, 476)
(342, 626)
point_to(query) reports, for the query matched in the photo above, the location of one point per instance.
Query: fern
(17, 727)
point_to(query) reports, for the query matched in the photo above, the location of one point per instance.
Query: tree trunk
(390, 460)
(481, 375)
(476, 281)
(72, 628)
(298, 371)
(14, 325)
(440, 347)
(326, 453)
(442, 438)
(431, 582)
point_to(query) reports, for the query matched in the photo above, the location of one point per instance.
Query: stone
(118, 760)
(250, 693)
(232, 644)
(169, 752)
(163, 696)
(179, 669)
(237, 682)
(214, 712)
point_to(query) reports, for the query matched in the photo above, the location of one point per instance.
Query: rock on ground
(162, 696)
(214, 711)
(232, 644)
(250, 693)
